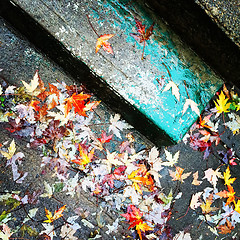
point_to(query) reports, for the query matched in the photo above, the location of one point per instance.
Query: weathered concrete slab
(135, 80)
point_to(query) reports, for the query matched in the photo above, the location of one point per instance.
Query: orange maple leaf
(141, 177)
(78, 101)
(85, 157)
(102, 41)
(226, 228)
(203, 122)
(230, 194)
(142, 226)
(57, 214)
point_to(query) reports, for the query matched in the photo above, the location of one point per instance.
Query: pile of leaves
(59, 120)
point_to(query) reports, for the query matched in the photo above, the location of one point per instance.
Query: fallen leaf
(178, 174)
(78, 101)
(234, 123)
(221, 104)
(226, 176)
(85, 157)
(230, 194)
(237, 206)
(102, 42)
(143, 35)
(142, 227)
(195, 181)
(57, 214)
(182, 236)
(212, 176)
(104, 138)
(30, 88)
(11, 150)
(48, 189)
(193, 105)
(206, 207)
(195, 203)
(5, 233)
(175, 89)
(116, 125)
(226, 228)
(172, 160)
(67, 232)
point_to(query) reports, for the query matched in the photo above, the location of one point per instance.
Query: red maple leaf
(104, 138)
(78, 101)
(133, 215)
(142, 34)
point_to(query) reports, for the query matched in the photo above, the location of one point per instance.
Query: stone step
(67, 32)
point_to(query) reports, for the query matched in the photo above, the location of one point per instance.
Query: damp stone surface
(140, 82)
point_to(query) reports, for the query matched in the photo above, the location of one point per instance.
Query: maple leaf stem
(56, 199)
(170, 75)
(144, 44)
(184, 214)
(92, 26)
(224, 120)
(225, 217)
(185, 84)
(27, 212)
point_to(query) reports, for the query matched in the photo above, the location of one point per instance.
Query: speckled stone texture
(226, 14)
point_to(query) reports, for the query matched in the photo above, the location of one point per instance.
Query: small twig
(27, 213)
(56, 199)
(184, 214)
(167, 70)
(185, 84)
(92, 26)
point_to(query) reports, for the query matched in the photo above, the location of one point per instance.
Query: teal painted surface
(164, 109)
(135, 80)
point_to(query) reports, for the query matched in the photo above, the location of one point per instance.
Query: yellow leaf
(237, 206)
(48, 215)
(221, 104)
(206, 207)
(102, 42)
(11, 150)
(137, 187)
(57, 214)
(85, 157)
(226, 176)
(142, 226)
